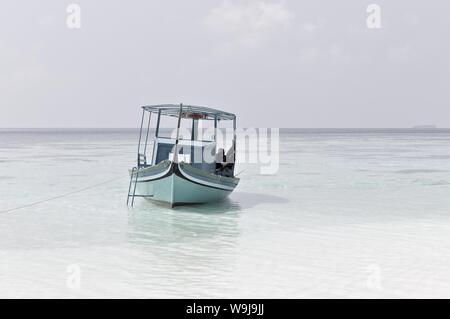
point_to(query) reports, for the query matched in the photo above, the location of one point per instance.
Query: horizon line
(419, 127)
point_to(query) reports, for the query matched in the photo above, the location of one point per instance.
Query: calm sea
(350, 213)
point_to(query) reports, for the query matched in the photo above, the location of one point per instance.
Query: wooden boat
(179, 171)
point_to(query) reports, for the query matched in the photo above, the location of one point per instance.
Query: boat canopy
(189, 111)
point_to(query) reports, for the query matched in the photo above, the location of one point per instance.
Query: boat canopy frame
(174, 109)
(180, 111)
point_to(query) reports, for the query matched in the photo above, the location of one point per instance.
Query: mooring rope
(60, 196)
(240, 172)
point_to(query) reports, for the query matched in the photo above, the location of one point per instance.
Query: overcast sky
(273, 63)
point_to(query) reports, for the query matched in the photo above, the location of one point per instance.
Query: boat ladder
(141, 161)
(132, 195)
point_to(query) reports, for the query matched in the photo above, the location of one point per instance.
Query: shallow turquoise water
(350, 213)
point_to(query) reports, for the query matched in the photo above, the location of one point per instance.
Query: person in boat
(225, 163)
